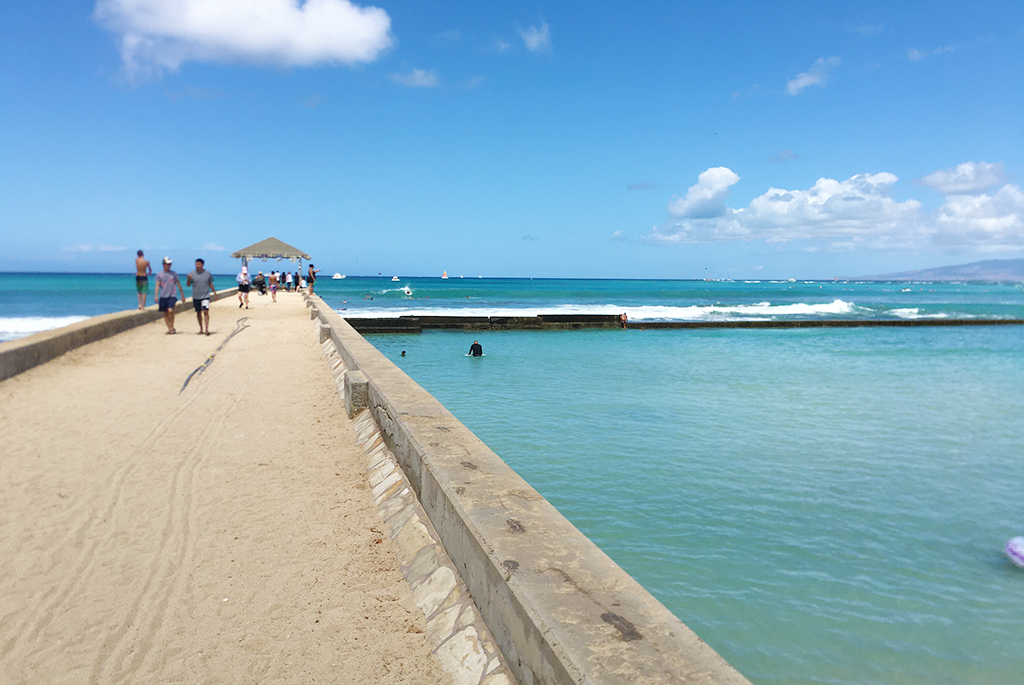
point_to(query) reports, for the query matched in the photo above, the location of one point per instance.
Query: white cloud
(992, 223)
(857, 213)
(537, 39)
(817, 75)
(93, 248)
(965, 179)
(915, 55)
(706, 199)
(417, 78)
(213, 247)
(164, 34)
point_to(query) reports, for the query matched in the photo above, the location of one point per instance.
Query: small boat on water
(445, 275)
(394, 279)
(337, 277)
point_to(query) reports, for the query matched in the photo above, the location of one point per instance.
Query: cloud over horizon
(855, 213)
(965, 179)
(164, 34)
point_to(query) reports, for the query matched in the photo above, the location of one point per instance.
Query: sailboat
(445, 275)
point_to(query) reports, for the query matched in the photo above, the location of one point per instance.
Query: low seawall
(417, 324)
(22, 354)
(559, 608)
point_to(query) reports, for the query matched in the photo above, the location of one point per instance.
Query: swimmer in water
(475, 350)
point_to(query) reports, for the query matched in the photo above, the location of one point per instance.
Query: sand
(223, 535)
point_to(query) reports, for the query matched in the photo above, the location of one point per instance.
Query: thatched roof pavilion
(271, 248)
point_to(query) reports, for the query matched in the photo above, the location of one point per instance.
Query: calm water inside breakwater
(818, 505)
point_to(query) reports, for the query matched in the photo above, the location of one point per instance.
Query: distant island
(1000, 270)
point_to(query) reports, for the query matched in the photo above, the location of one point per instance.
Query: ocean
(820, 505)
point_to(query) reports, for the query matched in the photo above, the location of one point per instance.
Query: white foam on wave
(14, 327)
(642, 313)
(915, 313)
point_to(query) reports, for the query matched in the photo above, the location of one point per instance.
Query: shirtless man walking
(142, 272)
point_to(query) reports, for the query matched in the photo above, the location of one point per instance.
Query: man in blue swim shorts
(166, 280)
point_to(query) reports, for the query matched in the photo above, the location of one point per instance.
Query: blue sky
(569, 139)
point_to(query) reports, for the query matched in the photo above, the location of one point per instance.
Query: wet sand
(226, 534)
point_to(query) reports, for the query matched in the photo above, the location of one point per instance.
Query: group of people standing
(168, 287)
(272, 282)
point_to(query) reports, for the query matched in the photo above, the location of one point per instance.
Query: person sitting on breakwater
(475, 350)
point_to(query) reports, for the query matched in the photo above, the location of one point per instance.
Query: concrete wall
(24, 353)
(559, 608)
(414, 324)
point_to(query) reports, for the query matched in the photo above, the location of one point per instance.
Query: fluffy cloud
(992, 223)
(855, 213)
(705, 200)
(817, 75)
(417, 78)
(537, 38)
(965, 179)
(163, 34)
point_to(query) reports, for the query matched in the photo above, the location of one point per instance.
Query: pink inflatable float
(1015, 550)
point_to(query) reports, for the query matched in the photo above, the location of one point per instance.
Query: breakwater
(417, 324)
(560, 610)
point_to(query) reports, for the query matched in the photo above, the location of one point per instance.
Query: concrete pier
(226, 533)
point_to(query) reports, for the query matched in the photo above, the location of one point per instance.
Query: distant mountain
(988, 270)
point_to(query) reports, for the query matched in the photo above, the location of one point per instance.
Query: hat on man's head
(168, 260)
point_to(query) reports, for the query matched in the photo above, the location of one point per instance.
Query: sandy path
(226, 534)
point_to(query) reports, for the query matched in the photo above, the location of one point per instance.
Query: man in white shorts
(201, 281)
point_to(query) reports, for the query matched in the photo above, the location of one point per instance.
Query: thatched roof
(271, 248)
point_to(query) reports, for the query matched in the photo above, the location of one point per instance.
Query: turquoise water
(31, 302)
(821, 506)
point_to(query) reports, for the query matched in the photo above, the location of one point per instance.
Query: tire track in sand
(56, 600)
(125, 649)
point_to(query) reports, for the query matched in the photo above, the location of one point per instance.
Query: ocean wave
(760, 310)
(915, 313)
(12, 328)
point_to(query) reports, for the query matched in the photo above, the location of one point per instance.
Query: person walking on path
(166, 280)
(243, 287)
(311, 278)
(201, 281)
(142, 272)
(274, 277)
